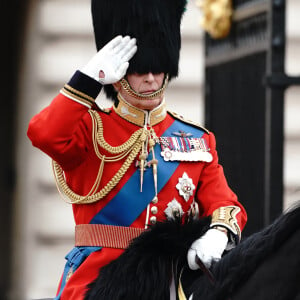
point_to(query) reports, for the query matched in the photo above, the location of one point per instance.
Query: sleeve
(215, 197)
(62, 129)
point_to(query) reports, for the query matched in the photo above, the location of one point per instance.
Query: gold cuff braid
(226, 216)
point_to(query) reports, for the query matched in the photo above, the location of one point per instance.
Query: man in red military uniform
(137, 163)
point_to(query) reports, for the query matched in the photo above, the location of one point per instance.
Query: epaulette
(181, 118)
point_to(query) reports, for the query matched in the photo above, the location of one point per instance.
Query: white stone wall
(59, 41)
(292, 107)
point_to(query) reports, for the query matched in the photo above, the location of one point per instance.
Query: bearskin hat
(154, 23)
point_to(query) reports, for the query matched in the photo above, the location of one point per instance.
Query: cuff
(226, 217)
(82, 89)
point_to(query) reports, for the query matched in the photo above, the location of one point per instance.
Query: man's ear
(117, 86)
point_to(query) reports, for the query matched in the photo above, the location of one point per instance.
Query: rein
(207, 272)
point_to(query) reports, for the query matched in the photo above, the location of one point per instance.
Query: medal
(174, 210)
(184, 148)
(185, 186)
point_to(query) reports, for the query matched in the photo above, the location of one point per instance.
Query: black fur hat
(154, 23)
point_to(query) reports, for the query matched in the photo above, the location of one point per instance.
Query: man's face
(144, 84)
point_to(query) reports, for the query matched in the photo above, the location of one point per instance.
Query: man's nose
(149, 77)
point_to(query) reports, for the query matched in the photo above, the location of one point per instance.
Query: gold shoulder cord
(130, 148)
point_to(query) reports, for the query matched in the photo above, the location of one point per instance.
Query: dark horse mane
(143, 271)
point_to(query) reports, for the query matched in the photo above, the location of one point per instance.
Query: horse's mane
(236, 266)
(143, 271)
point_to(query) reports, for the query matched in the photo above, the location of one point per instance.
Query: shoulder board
(180, 118)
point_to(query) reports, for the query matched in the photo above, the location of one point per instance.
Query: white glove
(110, 64)
(208, 248)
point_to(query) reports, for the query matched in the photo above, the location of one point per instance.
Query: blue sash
(129, 203)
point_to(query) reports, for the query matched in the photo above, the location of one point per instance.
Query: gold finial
(216, 17)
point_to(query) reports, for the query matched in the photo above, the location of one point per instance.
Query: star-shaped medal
(185, 186)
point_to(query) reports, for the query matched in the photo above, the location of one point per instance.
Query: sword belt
(108, 236)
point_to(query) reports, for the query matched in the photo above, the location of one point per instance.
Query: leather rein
(207, 272)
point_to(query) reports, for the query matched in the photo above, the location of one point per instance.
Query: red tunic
(63, 130)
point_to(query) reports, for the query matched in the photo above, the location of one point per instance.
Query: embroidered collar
(138, 116)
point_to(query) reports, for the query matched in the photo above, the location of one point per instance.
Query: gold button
(155, 200)
(154, 210)
(153, 220)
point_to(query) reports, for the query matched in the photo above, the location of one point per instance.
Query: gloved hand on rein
(110, 64)
(208, 248)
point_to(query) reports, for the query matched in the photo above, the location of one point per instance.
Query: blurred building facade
(58, 41)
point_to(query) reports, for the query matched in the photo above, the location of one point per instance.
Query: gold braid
(101, 141)
(130, 148)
